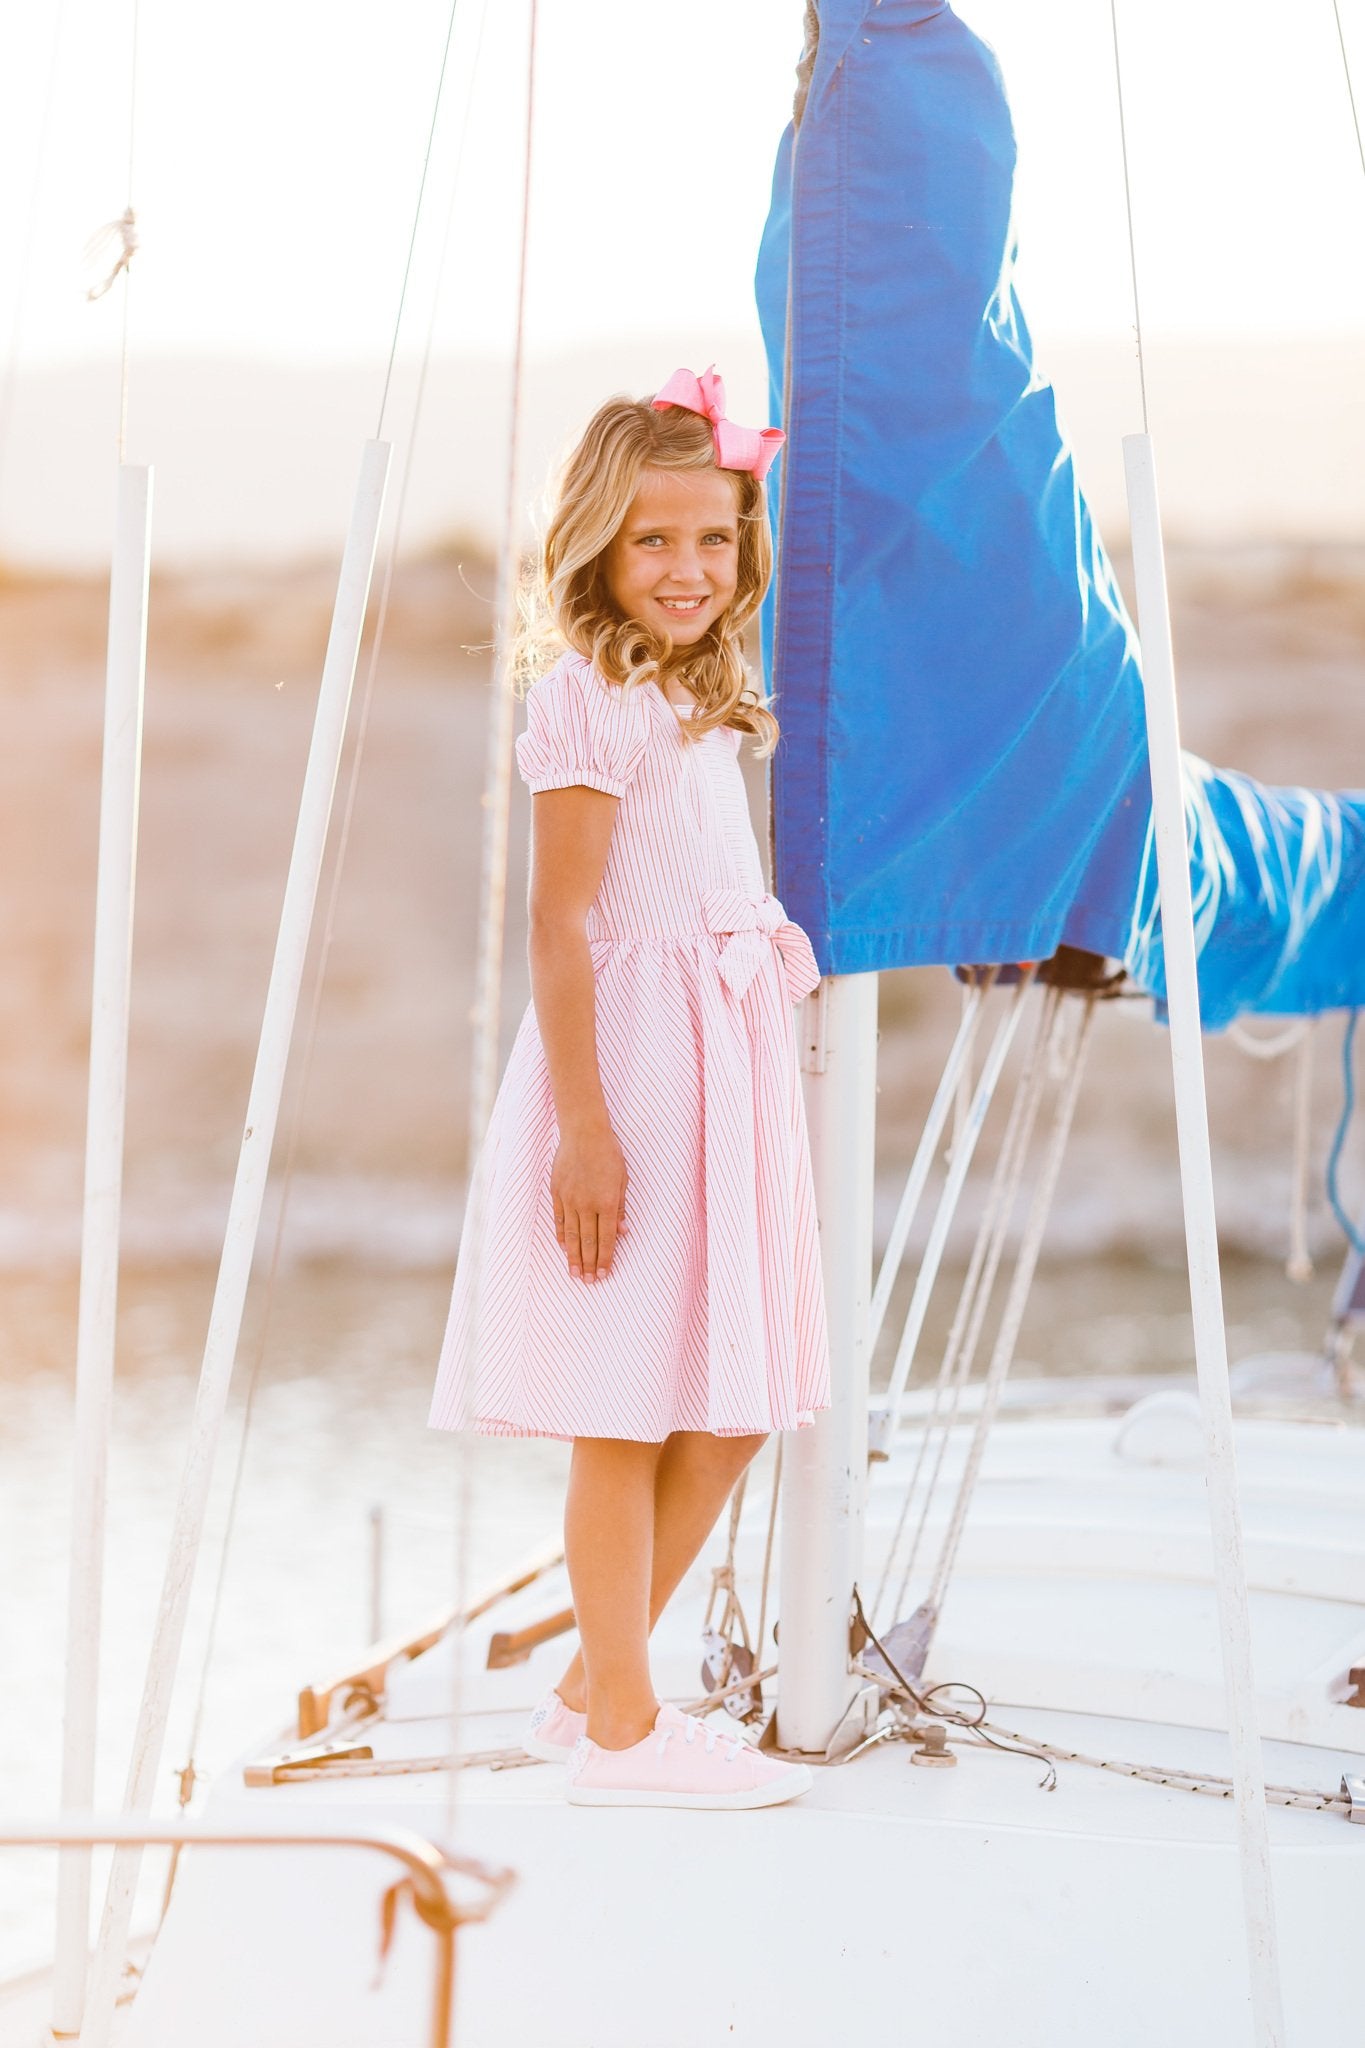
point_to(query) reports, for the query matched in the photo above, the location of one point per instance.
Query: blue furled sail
(1278, 879)
(963, 772)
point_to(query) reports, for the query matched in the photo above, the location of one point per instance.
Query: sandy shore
(1269, 648)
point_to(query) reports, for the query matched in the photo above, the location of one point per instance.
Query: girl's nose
(687, 566)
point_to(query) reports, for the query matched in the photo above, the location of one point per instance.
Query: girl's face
(675, 561)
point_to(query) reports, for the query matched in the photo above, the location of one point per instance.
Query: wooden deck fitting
(368, 1676)
(514, 1646)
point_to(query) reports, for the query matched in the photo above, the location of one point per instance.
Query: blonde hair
(567, 604)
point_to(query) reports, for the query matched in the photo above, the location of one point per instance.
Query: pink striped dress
(712, 1316)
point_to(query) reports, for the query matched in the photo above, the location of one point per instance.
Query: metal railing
(426, 1867)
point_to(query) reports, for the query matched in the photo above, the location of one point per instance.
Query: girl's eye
(648, 539)
(722, 539)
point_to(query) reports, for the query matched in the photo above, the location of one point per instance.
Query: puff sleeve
(582, 730)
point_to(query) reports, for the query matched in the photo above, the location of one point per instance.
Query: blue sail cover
(963, 773)
(1278, 877)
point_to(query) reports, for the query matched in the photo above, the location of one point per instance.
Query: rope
(966, 1324)
(956, 1070)
(926, 1278)
(977, 1727)
(960, 1352)
(768, 1546)
(732, 1615)
(733, 1618)
(1128, 206)
(1268, 1048)
(117, 239)
(1008, 1336)
(1299, 1264)
(972, 994)
(1348, 1105)
(1298, 1035)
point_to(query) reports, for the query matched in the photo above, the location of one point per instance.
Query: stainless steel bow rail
(426, 1867)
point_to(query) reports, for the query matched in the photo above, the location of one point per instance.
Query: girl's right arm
(571, 834)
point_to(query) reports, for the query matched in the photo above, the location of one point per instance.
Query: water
(339, 1424)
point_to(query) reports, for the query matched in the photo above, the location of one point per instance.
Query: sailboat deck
(904, 1891)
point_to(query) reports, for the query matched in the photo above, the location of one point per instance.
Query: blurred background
(276, 162)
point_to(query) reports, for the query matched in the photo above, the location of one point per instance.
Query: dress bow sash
(753, 922)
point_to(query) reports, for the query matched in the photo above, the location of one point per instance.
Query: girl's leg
(694, 1476)
(609, 1547)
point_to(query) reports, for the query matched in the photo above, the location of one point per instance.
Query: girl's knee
(737, 1452)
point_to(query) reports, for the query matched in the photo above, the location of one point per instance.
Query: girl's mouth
(682, 605)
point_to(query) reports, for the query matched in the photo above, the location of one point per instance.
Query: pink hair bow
(751, 448)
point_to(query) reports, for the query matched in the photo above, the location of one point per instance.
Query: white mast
(824, 1474)
(244, 1215)
(824, 1479)
(125, 676)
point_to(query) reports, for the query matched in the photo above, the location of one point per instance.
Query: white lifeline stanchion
(124, 685)
(1201, 1233)
(244, 1215)
(824, 1477)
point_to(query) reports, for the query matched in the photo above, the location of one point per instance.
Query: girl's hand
(588, 1190)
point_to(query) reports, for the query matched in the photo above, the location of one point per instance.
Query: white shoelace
(711, 1734)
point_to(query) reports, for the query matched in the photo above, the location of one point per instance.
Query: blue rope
(1348, 1078)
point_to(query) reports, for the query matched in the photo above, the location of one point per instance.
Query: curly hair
(567, 604)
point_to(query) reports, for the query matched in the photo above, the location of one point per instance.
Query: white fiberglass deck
(964, 1903)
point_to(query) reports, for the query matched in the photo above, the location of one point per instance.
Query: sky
(277, 156)
(279, 146)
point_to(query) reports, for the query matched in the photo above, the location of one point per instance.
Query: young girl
(642, 1208)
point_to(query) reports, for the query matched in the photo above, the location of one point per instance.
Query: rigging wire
(417, 216)
(497, 796)
(1128, 204)
(1352, 1235)
(493, 884)
(1350, 85)
(310, 1035)
(130, 217)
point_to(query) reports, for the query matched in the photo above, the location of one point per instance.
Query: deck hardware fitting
(514, 1646)
(291, 1763)
(932, 1747)
(315, 1701)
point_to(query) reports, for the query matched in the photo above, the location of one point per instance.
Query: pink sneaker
(553, 1729)
(683, 1761)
